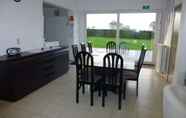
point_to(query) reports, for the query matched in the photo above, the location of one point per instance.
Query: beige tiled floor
(57, 100)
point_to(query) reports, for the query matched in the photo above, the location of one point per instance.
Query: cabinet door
(5, 90)
(45, 68)
(62, 63)
(21, 78)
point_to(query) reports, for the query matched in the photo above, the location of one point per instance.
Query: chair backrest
(74, 50)
(141, 59)
(90, 47)
(84, 66)
(113, 65)
(111, 46)
(83, 47)
(123, 47)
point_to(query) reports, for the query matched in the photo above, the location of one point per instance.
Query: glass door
(101, 28)
(132, 29)
(137, 29)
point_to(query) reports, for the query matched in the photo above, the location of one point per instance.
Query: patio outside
(132, 55)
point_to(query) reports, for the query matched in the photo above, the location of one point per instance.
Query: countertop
(29, 53)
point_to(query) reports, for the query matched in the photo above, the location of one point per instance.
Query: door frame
(157, 33)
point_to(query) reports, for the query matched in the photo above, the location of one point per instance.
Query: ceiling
(88, 5)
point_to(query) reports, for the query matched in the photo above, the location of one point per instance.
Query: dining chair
(90, 47)
(85, 75)
(133, 75)
(74, 50)
(83, 47)
(113, 78)
(111, 46)
(123, 49)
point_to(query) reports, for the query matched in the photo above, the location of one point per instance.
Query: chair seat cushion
(130, 75)
(86, 78)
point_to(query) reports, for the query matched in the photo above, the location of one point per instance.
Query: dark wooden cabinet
(21, 75)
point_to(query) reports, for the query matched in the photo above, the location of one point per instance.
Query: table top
(98, 60)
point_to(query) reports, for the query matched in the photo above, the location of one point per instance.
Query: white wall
(70, 4)
(79, 27)
(180, 69)
(167, 22)
(23, 21)
(180, 66)
(56, 29)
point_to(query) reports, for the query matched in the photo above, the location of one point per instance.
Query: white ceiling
(88, 5)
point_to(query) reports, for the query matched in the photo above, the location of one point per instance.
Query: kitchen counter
(29, 53)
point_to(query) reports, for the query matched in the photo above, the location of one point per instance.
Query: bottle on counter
(44, 45)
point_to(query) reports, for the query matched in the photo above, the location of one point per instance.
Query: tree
(126, 27)
(113, 25)
(93, 27)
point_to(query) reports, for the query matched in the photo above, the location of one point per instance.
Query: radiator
(163, 59)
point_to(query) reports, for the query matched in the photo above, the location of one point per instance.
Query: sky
(137, 21)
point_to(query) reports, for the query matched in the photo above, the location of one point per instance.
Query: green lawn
(132, 44)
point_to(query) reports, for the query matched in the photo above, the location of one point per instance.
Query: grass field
(132, 44)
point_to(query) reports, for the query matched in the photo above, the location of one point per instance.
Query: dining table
(128, 64)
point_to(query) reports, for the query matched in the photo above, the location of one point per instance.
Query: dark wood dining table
(129, 64)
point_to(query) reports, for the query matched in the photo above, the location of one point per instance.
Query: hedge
(129, 34)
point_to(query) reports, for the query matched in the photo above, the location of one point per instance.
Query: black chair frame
(83, 47)
(90, 47)
(111, 47)
(85, 75)
(136, 71)
(113, 78)
(122, 47)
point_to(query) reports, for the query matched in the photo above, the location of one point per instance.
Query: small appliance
(14, 51)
